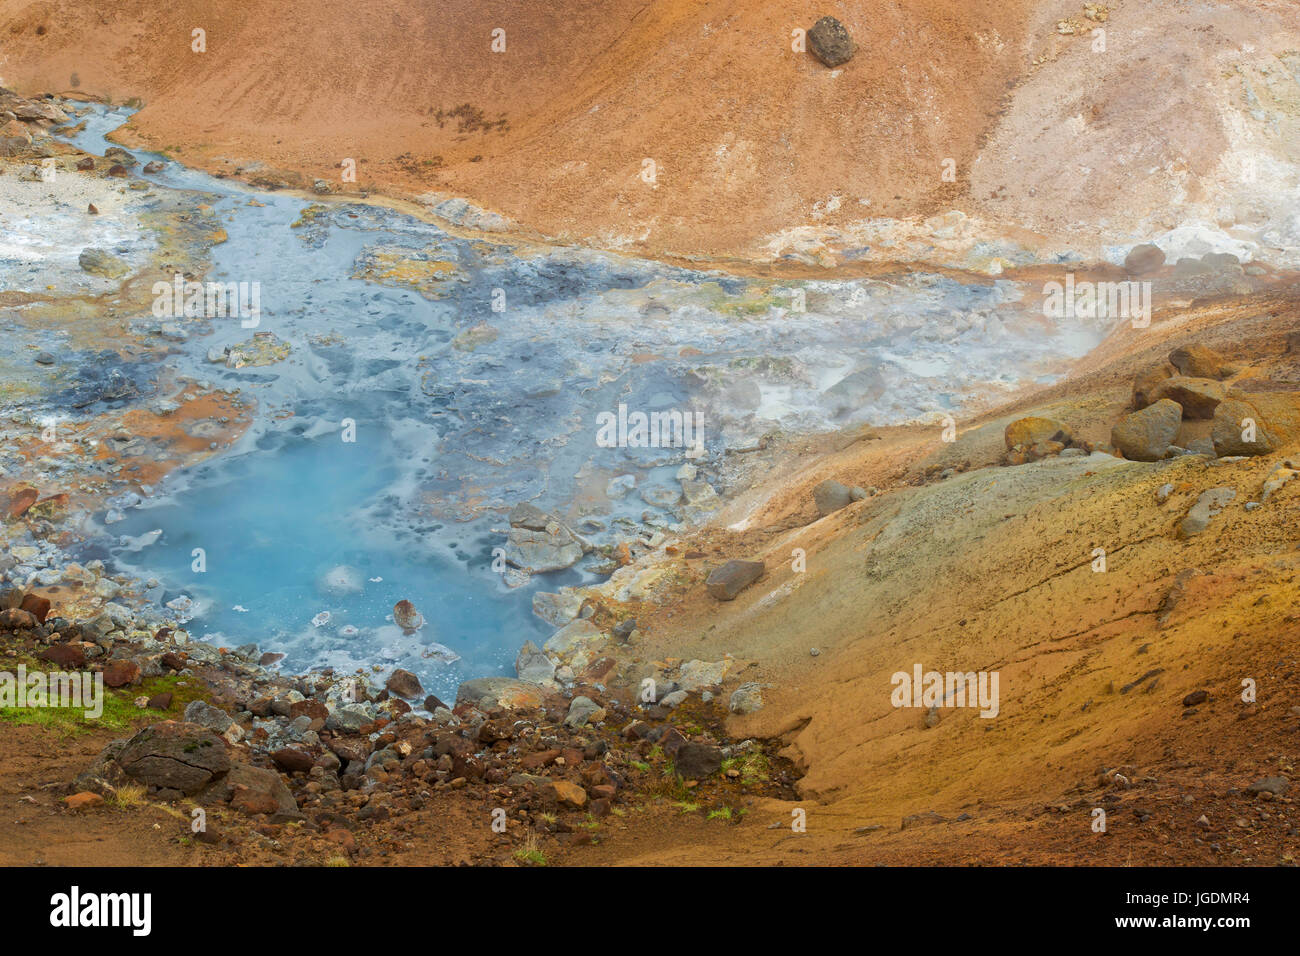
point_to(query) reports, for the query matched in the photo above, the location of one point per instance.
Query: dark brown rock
(174, 755)
(726, 582)
(1144, 258)
(830, 42)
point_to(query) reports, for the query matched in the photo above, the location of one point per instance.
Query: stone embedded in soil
(1199, 397)
(20, 501)
(1274, 785)
(746, 699)
(174, 755)
(65, 656)
(695, 760)
(583, 710)
(1146, 435)
(1034, 429)
(1209, 504)
(506, 692)
(830, 496)
(1195, 697)
(830, 42)
(404, 684)
(16, 619)
(566, 794)
(83, 801)
(726, 582)
(1144, 258)
(253, 790)
(202, 713)
(37, 606)
(100, 263)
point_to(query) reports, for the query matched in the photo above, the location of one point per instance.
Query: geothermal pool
(462, 410)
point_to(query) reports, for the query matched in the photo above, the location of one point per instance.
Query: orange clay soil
(749, 138)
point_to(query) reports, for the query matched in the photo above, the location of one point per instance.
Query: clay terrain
(1111, 534)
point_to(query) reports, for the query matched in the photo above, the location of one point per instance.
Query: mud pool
(472, 369)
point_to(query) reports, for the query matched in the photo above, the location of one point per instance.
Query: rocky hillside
(665, 128)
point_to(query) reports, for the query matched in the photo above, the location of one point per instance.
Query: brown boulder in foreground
(1146, 435)
(726, 582)
(1256, 424)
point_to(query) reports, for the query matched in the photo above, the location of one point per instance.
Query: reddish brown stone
(37, 606)
(121, 673)
(21, 500)
(67, 656)
(83, 801)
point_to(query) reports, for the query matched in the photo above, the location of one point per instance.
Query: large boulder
(1147, 381)
(1146, 435)
(1199, 361)
(1143, 259)
(726, 582)
(831, 496)
(253, 790)
(1032, 429)
(1256, 424)
(697, 760)
(1199, 397)
(830, 42)
(174, 755)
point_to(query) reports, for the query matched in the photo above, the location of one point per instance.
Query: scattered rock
(582, 711)
(1199, 361)
(726, 582)
(1033, 429)
(1143, 259)
(85, 800)
(695, 761)
(403, 683)
(531, 664)
(1209, 504)
(1199, 397)
(746, 699)
(101, 263)
(830, 42)
(831, 496)
(1146, 435)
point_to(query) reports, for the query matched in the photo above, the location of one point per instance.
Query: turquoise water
(449, 438)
